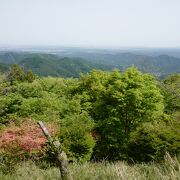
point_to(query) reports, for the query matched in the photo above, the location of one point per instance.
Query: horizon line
(86, 46)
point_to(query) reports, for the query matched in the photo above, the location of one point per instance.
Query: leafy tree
(30, 77)
(16, 74)
(119, 102)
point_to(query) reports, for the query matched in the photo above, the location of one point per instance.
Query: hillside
(3, 68)
(160, 65)
(64, 67)
(71, 63)
(50, 65)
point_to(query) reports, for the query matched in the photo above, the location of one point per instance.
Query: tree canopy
(119, 102)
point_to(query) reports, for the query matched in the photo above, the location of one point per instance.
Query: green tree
(16, 73)
(30, 77)
(119, 102)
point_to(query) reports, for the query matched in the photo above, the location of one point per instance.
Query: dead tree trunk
(59, 153)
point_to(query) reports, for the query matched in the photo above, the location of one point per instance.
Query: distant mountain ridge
(160, 65)
(65, 67)
(50, 65)
(58, 65)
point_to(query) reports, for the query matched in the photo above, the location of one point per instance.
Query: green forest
(72, 64)
(100, 117)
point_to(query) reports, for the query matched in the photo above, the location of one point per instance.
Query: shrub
(76, 138)
(152, 140)
(9, 106)
(23, 141)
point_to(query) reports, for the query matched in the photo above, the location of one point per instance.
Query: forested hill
(50, 65)
(70, 65)
(160, 65)
(64, 67)
(3, 67)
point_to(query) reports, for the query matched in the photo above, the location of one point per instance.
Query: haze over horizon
(102, 23)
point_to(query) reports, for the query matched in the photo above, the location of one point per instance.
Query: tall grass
(168, 170)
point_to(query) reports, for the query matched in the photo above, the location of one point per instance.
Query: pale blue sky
(140, 23)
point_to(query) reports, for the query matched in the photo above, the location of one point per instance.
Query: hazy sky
(150, 23)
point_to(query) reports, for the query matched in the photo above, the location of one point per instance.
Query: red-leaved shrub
(24, 138)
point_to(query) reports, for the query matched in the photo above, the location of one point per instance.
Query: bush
(9, 107)
(75, 136)
(152, 140)
(22, 142)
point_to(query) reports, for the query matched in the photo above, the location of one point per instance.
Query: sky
(97, 23)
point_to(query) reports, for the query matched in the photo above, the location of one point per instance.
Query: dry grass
(169, 170)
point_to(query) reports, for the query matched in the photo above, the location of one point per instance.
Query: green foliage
(76, 137)
(49, 99)
(9, 107)
(113, 108)
(30, 77)
(171, 91)
(152, 140)
(16, 74)
(119, 102)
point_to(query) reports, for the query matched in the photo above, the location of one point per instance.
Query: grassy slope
(169, 170)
